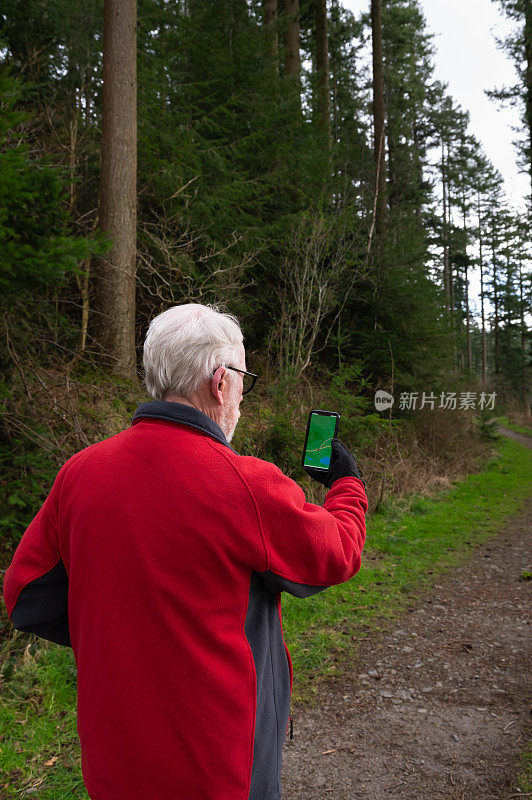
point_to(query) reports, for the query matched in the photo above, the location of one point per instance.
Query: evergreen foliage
(37, 248)
(518, 46)
(242, 202)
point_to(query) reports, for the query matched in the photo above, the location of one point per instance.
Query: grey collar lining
(185, 415)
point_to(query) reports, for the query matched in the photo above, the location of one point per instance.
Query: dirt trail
(438, 707)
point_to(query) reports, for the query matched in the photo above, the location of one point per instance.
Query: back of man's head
(184, 345)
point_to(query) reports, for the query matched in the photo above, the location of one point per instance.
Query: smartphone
(322, 427)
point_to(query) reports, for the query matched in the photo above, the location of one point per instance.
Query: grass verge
(513, 426)
(524, 778)
(408, 542)
(39, 748)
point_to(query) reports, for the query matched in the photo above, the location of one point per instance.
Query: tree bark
(523, 343)
(322, 70)
(452, 318)
(495, 301)
(468, 328)
(292, 62)
(114, 309)
(270, 23)
(418, 162)
(528, 73)
(466, 284)
(481, 265)
(379, 117)
(450, 267)
(446, 276)
(83, 286)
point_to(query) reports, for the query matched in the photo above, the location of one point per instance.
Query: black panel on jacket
(275, 583)
(263, 632)
(42, 606)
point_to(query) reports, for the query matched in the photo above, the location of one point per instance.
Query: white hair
(183, 347)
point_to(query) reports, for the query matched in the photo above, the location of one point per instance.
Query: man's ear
(218, 383)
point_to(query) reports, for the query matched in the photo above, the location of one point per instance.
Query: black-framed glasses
(249, 378)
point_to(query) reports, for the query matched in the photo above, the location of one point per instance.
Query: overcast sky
(468, 59)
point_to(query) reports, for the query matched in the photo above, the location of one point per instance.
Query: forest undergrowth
(49, 414)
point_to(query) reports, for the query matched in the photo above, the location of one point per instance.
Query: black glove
(343, 465)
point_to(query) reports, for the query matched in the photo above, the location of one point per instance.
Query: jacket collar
(184, 415)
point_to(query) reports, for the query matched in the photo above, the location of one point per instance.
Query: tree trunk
(481, 264)
(446, 277)
(451, 273)
(270, 22)
(322, 71)
(466, 285)
(495, 302)
(418, 162)
(468, 329)
(528, 73)
(292, 62)
(83, 287)
(379, 119)
(114, 309)
(449, 229)
(523, 344)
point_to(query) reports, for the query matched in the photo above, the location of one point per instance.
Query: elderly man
(159, 557)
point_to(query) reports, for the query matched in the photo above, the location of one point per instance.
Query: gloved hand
(343, 465)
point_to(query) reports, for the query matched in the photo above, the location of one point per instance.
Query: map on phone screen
(320, 436)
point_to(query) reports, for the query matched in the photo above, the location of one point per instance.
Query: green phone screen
(318, 449)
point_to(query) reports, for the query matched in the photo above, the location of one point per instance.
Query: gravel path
(436, 708)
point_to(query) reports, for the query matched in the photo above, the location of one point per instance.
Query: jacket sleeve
(309, 547)
(36, 582)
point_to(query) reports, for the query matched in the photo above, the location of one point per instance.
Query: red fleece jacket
(159, 554)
